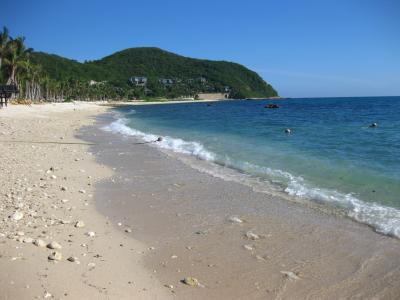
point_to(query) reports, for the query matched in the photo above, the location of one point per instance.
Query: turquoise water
(332, 155)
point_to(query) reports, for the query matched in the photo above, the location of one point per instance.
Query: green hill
(188, 76)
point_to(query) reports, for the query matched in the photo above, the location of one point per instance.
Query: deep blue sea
(332, 156)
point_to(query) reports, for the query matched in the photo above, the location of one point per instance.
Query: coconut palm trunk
(4, 42)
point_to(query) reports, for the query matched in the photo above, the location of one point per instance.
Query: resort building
(202, 79)
(138, 80)
(166, 81)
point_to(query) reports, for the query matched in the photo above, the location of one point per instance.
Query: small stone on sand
(248, 247)
(259, 257)
(252, 236)
(235, 219)
(39, 243)
(290, 275)
(72, 259)
(90, 234)
(17, 215)
(191, 281)
(79, 224)
(54, 245)
(55, 256)
(28, 240)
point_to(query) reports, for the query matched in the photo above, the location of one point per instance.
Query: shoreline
(231, 237)
(158, 220)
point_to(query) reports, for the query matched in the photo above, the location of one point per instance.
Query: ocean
(332, 156)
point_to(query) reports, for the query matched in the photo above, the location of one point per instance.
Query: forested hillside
(128, 74)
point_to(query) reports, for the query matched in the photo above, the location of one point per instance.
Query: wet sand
(238, 243)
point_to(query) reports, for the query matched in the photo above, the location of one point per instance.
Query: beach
(51, 186)
(154, 226)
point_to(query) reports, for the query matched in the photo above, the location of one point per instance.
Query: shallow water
(332, 155)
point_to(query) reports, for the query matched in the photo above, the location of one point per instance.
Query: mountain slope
(155, 63)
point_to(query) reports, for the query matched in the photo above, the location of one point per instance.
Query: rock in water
(54, 245)
(39, 243)
(271, 105)
(55, 256)
(191, 281)
(79, 224)
(17, 215)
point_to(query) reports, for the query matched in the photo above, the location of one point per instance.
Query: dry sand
(238, 243)
(33, 176)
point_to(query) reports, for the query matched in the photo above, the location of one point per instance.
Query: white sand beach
(131, 222)
(47, 185)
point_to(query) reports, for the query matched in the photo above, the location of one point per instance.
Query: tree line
(33, 83)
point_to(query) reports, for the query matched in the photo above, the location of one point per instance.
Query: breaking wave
(174, 144)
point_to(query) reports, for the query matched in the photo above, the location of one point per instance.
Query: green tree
(4, 40)
(16, 56)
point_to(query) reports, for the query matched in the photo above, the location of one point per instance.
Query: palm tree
(4, 40)
(15, 57)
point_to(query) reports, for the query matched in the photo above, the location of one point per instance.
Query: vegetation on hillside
(42, 76)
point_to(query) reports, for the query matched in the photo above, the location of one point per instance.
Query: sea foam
(383, 219)
(174, 144)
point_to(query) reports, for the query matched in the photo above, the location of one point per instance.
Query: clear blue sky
(303, 48)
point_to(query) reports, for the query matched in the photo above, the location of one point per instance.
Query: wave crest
(174, 144)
